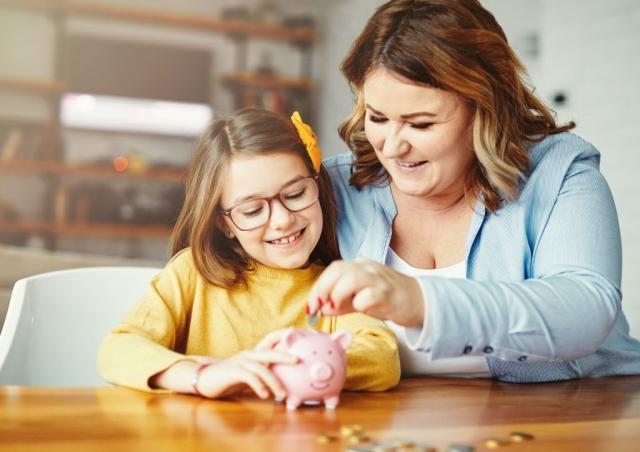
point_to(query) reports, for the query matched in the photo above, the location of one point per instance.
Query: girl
(256, 229)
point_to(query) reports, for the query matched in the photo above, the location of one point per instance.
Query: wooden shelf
(253, 80)
(102, 10)
(32, 85)
(30, 123)
(88, 229)
(89, 170)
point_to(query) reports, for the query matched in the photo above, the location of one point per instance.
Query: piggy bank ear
(343, 338)
(291, 335)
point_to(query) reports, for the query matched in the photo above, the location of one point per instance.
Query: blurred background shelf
(267, 81)
(32, 85)
(102, 10)
(90, 170)
(110, 230)
(101, 103)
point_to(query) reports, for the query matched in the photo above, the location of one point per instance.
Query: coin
(350, 430)
(358, 439)
(326, 438)
(519, 437)
(382, 447)
(459, 448)
(312, 320)
(494, 443)
(403, 443)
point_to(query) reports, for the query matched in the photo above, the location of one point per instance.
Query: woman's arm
(568, 306)
(563, 312)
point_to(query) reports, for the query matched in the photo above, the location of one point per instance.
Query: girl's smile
(288, 241)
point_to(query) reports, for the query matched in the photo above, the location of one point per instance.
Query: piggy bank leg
(331, 402)
(293, 402)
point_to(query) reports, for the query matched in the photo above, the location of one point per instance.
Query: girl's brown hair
(456, 46)
(221, 260)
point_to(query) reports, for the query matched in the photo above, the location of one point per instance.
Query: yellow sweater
(181, 314)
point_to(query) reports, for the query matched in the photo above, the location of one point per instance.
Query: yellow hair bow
(308, 139)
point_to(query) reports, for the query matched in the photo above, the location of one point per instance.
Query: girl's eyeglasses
(254, 213)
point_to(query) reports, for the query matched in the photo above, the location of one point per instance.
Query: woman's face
(422, 136)
(286, 239)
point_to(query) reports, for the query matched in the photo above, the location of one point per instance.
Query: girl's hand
(248, 368)
(272, 339)
(369, 287)
(203, 359)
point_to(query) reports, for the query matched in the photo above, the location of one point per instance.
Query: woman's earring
(229, 234)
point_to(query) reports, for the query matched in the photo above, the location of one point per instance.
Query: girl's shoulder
(182, 265)
(182, 258)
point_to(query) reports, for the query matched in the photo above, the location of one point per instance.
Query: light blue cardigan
(542, 298)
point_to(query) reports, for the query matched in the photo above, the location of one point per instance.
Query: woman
(499, 234)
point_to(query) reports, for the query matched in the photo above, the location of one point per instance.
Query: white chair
(57, 320)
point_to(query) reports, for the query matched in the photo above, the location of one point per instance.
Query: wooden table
(597, 414)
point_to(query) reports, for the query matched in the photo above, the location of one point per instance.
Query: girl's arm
(223, 377)
(140, 352)
(144, 342)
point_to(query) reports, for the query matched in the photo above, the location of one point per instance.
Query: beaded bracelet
(196, 378)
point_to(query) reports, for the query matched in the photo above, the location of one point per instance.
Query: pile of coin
(326, 438)
(358, 440)
(514, 437)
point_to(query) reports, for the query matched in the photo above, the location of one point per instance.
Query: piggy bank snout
(321, 371)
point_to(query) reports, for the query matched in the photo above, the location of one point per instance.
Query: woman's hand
(247, 368)
(369, 287)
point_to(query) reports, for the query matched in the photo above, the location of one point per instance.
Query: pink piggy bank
(320, 374)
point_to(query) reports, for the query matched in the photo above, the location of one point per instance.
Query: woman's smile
(409, 167)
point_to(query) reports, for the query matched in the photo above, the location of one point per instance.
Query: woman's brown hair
(252, 131)
(456, 46)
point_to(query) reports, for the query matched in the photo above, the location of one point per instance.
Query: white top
(416, 362)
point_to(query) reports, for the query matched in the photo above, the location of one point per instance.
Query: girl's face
(287, 238)
(422, 136)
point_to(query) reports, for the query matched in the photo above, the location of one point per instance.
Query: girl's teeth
(287, 240)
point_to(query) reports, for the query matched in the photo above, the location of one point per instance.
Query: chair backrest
(57, 320)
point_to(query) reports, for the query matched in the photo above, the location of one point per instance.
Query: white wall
(591, 50)
(588, 49)
(341, 22)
